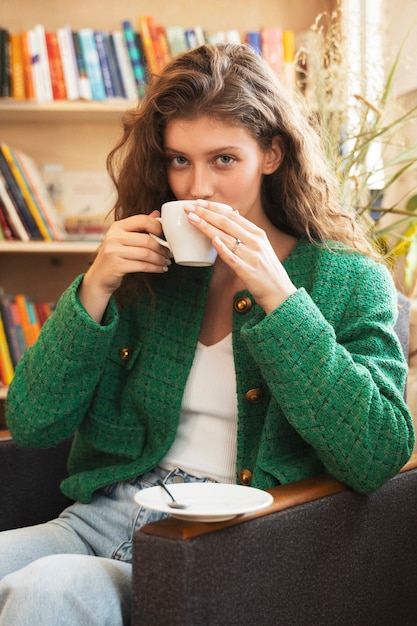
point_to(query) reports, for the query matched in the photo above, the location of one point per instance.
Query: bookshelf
(80, 134)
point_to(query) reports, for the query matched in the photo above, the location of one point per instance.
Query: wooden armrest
(5, 435)
(285, 496)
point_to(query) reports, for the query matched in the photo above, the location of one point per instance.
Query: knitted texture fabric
(326, 365)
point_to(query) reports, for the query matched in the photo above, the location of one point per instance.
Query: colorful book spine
(11, 215)
(288, 69)
(176, 40)
(123, 60)
(6, 364)
(92, 63)
(18, 200)
(56, 71)
(272, 47)
(7, 152)
(41, 193)
(11, 330)
(114, 66)
(148, 45)
(28, 334)
(5, 77)
(37, 73)
(17, 67)
(135, 58)
(84, 85)
(253, 39)
(104, 64)
(27, 66)
(5, 230)
(69, 62)
(42, 52)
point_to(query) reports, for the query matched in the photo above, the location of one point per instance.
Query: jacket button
(254, 396)
(245, 477)
(242, 304)
(125, 354)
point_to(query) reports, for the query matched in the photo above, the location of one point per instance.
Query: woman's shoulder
(335, 256)
(332, 271)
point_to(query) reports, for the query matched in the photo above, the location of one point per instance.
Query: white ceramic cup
(187, 244)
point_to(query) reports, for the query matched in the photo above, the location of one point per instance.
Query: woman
(278, 363)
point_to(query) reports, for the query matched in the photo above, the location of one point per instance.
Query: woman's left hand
(246, 249)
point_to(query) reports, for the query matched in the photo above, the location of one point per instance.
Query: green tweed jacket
(319, 381)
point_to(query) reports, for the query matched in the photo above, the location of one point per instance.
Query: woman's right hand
(127, 248)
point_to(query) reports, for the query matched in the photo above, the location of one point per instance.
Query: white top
(205, 444)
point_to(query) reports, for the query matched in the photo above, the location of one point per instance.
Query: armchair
(321, 554)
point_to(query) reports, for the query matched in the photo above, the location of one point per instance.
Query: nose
(201, 183)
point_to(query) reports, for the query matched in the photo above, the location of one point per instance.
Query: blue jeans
(47, 575)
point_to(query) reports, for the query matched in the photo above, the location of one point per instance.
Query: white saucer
(206, 502)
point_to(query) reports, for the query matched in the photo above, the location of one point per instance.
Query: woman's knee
(82, 589)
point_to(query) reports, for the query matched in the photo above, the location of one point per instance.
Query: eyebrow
(220, 150)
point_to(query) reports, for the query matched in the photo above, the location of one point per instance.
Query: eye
(177, 161)
(225, 159)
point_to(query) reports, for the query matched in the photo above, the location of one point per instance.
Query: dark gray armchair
(320, 554)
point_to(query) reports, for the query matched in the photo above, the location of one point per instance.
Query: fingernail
(193, 217)
(202, 203)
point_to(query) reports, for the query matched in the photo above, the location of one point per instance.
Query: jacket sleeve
(341, 384)
(57, 376)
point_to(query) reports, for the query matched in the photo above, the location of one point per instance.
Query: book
(69, 62)
(4, 63)
(191, 38)
(288, 69)
(30, 200)
(148, 44)
(135, 57)
(99, 37)
(253, 39)
(43, 311)
(27, 326)
(41, 53)
(35, 326)
(92, 63)
(6, 364)
(114, 68)
(200, 35)
(37, 73)
(56, 71)
(177, 40)
(124, 63)
(18, 200)
(27, 65)
(84, 85)
(5, 230)
(17, 323)
(272, 47)
(11, 215)
(16, 348)
(41, 193)
(17, 67)
(164, 51)
(160, 44)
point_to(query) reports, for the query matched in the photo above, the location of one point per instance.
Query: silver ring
(237, 243)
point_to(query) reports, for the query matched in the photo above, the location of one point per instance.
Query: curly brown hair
(231, 83)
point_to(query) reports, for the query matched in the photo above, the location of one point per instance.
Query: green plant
(366, 141)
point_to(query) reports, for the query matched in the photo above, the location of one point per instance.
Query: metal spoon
(174, 504)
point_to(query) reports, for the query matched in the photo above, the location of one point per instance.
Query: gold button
(242, 304)
(254, 395)
(125, 354)
(245, 477)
